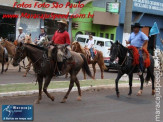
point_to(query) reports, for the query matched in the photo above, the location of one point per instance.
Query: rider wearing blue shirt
(138, 39)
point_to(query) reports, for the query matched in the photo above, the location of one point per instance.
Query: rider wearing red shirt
(61, 36)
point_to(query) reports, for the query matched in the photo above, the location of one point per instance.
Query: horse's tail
(150, 70)
(101, 61)
(86, 67)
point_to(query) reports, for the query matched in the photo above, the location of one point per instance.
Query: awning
(105, 18)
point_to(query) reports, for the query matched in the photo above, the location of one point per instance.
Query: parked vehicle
(101, 44)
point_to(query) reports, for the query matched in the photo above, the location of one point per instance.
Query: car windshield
(107, 44)
(79, 39)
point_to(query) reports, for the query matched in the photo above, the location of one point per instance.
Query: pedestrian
(21, 36)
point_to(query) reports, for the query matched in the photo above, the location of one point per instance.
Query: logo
(17, 112)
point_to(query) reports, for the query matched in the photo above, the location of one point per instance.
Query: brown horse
(11, 50)
(2, 57)
(72, 63)
(44, 67)
(99, 59)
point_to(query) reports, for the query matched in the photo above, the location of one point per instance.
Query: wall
(86, 23)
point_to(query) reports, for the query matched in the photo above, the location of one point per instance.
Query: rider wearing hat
(21, 36)
(61, 36)
(139, 40)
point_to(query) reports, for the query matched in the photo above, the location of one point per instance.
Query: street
(96, 106)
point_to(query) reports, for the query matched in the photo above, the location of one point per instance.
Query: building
(9, 27)
(146, 12)
(102, 24)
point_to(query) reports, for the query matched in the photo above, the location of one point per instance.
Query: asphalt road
(13, 76)
(96, 106)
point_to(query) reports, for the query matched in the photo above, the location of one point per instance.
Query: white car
(101, 44)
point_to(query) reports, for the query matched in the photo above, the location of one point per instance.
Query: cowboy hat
(62, 21)
(20, 28)
(137, 25)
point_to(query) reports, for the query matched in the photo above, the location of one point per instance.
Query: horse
(10, 47)
(43, 66)
(125, 65)
(43, 42)
(159, 54)
(99, 59)
(2, 57)
(72, 63)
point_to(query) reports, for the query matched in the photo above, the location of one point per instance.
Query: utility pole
(70, 22)
(128, 21)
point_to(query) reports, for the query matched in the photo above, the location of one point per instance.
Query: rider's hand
(127, 42)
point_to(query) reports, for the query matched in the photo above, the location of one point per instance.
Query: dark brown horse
(99, 59)
(72, 63)
(43, 66)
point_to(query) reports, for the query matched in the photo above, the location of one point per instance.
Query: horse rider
(61, 36)
(90, 46)
(21, 36)
(42, 34)
(139, 40)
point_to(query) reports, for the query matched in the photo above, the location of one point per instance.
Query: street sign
(113, 7)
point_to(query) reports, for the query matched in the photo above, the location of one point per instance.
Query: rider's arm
(67, 38)
(129, 40)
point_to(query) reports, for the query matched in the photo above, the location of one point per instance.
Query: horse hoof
(52, 98)
(37, 102)
(129, 94)
(139, 93)
(24, 75)
(63, 101)
(79, 98)
(118, 95)
(153, 92)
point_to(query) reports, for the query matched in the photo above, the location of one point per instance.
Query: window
(112, 37)
(79, 39)
(107, 35)
(100, 43)
(107, 44)
(101, 35)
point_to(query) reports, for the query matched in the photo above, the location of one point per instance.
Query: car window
(100, 43)
(107, 44)
(87, 40)
(79, 39)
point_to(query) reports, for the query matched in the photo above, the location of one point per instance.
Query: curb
(31, 92)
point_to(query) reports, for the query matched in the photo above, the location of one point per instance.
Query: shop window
(101, 35)
(92, 33)
(107, 35)
(79, 39)
(112, 37)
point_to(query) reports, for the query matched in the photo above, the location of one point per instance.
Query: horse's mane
(38, 47)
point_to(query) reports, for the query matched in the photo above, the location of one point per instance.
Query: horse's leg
(130, 83)
(151, 73)
(79, 90)
(102, 71)
(19, 68)
(141, 87)
(46, 84)
(84, 73)
(28, 68)
(8, 63)
(116, 82)
(94, 69)
(40, 81)
(66, 76)
(72, 80)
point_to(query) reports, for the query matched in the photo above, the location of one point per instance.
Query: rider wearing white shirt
(90, 46)
(21, 37)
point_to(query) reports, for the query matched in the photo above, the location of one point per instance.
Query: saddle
(135, 52)
(88, 54)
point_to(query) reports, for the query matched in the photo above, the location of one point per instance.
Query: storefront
(145, 12)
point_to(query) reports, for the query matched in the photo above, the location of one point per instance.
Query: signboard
(113, 7)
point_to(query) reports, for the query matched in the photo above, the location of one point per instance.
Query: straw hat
(20, 28)
(62, 21)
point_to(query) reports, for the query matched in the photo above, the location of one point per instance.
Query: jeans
(141, 60)
(92, 53)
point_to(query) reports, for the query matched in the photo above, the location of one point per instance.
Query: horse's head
(20, 54)
(28, 39)
(63, 52)
(75, 46)
(114, 50)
